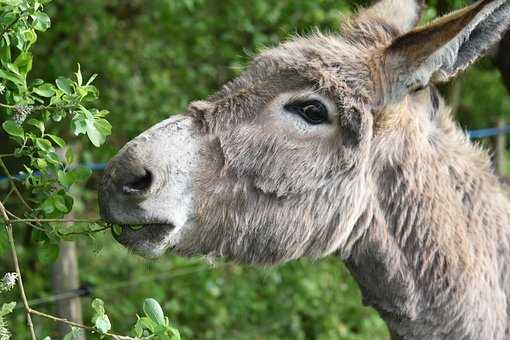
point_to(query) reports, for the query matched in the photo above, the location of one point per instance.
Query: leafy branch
(29, 311)
(8, 228)
(154, 322)
(13, 184)
(76, 220)
(33, 112)
(75, 324)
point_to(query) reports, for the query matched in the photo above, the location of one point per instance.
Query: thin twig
(85, 232)
(28, 310)
(8, 195)
(71, 323)
(46, 220)
(11, 178)
(8, 227)
(43, 107)
(28, 223)
(7, 155)
(42, 220)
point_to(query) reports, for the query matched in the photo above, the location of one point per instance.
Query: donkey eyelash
(304, 96)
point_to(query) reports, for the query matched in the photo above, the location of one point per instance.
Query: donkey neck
(434, 258)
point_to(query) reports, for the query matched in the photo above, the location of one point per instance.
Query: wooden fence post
(66, 278)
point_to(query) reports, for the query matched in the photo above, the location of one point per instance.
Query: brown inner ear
(422, 42)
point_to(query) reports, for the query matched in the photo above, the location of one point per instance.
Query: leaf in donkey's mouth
(136, 227)
(117, 229)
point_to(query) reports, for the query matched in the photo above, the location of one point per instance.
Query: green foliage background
(153, 57)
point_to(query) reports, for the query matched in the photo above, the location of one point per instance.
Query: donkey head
(281, 162)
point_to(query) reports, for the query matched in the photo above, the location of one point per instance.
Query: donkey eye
(313, 111)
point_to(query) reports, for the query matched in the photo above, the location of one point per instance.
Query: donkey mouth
(135, 227)
(148, 239)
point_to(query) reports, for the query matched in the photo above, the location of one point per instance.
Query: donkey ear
(444, 48)
(403, 15)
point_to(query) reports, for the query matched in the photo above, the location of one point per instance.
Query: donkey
(339, 144)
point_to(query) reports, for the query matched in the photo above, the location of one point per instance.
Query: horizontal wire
(473, 134)
(87, 289)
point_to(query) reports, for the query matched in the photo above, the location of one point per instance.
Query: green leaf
(45, 90)
(59, 141)
(91, 79)
(102, 323)
(13, 68)
(103, 125)
(65, 85)
(37, 82)
(117, 229)
(148, 323)
(91, 93)
(52, 157)
(153, 310)
(13, 129)
(7, 308)
(30, 36)
(57, 98)
(138, 328)
(69, 202)
(102, 113)
(100, 319)
(48, 252)
(5, 51)
(9, 17)
(41, 21)
(69, 156)
(13, 77)
(160, 329)
(24, 63)
(98, 306)
(43, 144)
(60, 203)
(75, 334)
(81, 173)
(79, 125)
(25, 38)
(97, 130)
(41, 163)
(79, 77)
(175, 334)
(65, 178)
(86, 113)
(37, 123)
(47, 206)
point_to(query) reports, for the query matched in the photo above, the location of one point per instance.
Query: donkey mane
(442, 253)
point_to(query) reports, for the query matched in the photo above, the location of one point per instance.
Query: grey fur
(392, 186)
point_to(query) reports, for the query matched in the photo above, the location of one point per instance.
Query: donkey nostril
(139, 184)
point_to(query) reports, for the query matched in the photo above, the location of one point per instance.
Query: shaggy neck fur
(433, 260)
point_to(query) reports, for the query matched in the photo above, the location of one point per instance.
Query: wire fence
(473, 134)
(490, 132)
(87, 289)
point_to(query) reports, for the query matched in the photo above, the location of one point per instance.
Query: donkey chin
(148, 193)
